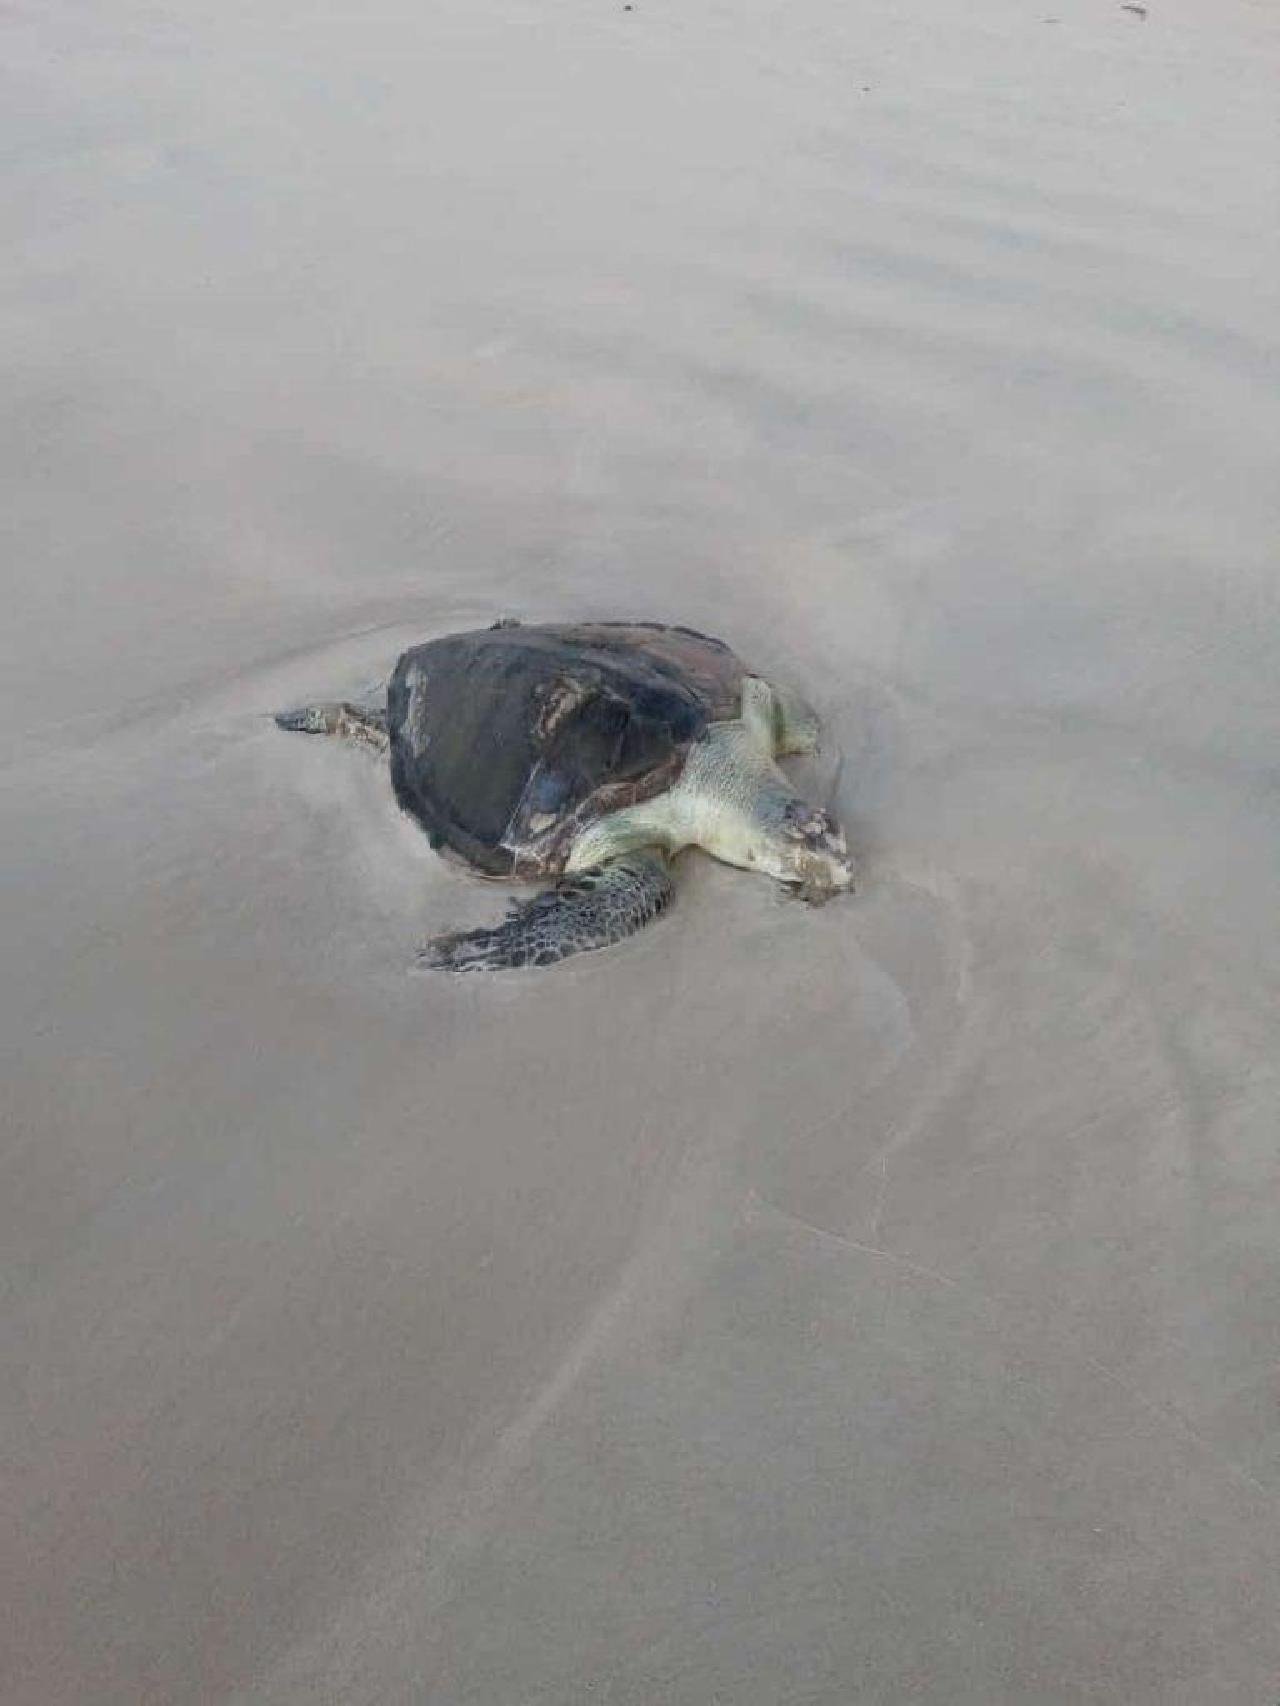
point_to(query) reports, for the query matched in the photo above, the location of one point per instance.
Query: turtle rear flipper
(589, 910)
(367, 723)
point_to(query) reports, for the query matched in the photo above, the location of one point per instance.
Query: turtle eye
(803, 822)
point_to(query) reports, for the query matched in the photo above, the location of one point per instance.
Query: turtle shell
(505, 743)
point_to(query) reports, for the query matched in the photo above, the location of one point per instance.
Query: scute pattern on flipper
(591, 910)
(341, 717)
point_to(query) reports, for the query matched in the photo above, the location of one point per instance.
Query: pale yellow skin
(734, 802)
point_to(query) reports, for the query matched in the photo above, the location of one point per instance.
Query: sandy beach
(878, 1303)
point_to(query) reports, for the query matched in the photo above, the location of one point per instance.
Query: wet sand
(873, 1304)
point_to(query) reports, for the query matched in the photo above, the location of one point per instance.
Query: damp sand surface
(879, 1303)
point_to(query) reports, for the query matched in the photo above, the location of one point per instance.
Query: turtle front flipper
(796, 729)
(591, 909)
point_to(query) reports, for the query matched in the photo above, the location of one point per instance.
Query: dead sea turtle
(590, 756)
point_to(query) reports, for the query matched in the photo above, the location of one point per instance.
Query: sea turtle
(589, 755)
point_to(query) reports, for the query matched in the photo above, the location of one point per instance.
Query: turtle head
(781, 834)
(811, 851)
(797, 843)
